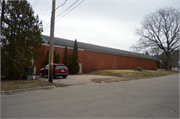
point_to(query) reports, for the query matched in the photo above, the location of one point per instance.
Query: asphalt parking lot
(74, 79)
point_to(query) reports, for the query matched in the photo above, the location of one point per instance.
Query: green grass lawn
(134, 74)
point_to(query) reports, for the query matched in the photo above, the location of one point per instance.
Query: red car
(58, 70)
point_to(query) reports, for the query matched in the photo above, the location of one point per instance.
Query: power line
(46, 11)
(56, 9)
(62, 13)
(60, 5)
(35, 3)
(70, 10)
(65, 11)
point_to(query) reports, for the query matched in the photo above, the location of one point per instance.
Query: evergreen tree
(54, 57)
(65, 57)
(21, 38)
(46, 60)
(55, 60)
(70, 63)
(75, 64)
(147, 53)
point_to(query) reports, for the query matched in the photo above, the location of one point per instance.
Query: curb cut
(8, 92)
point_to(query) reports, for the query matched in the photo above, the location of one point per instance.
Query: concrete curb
(8, 92)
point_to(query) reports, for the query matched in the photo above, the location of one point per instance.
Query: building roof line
(96, 48)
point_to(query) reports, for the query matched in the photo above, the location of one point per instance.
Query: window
(47, 66)
(60, 66)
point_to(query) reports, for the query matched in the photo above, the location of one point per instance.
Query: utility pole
(51, 48)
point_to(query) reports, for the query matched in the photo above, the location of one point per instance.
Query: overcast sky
(109, 23)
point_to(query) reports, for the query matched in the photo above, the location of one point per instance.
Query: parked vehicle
(58, 70)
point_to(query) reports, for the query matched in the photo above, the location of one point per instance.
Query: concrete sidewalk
(74, 79)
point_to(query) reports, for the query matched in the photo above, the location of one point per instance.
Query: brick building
(93, 57)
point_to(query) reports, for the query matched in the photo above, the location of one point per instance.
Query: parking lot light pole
(51, 48)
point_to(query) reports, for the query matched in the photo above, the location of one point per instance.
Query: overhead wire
(61, 13)
(60, 5)
(55, 10)
(64, 12)
(35, 3)
(70, 10)
(46, 11)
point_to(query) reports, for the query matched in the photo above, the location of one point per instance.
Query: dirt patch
(108, 80)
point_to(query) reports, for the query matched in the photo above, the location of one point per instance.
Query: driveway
(74, 79)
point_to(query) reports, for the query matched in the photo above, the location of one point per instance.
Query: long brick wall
(95, 60)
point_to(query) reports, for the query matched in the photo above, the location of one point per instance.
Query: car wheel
(41, 74)
(64, 77)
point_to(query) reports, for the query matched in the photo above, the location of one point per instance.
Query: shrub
(55, 60)
(75, 64)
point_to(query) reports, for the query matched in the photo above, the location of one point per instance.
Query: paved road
(146, 98)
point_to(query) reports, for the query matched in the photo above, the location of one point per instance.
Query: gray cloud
(108, 23)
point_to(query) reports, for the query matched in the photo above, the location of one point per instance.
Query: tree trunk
(21, 76)
(168, 61)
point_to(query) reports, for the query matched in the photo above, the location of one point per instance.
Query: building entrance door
(80, 68)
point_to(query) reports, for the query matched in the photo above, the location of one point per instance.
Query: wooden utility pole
(51, 48)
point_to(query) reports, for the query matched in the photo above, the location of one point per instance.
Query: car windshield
(60, 66)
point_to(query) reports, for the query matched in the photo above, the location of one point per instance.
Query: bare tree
(160, 30)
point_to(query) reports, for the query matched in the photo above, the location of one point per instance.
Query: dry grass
(22, 84)
(108, 80)
(124, 75)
